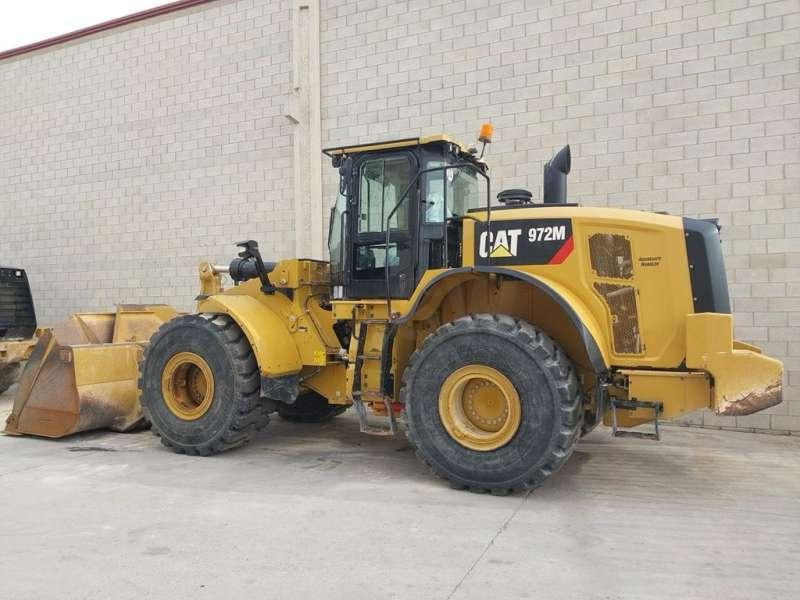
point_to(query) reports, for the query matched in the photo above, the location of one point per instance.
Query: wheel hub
(187, 386)
(479, 407)
(485, 405)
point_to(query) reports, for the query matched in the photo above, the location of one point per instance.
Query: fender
(578, 314)
(275, 349)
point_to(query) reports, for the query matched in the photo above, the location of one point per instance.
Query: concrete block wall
(128, 156)
(677, 105)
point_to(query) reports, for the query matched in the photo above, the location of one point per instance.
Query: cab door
(381, 180)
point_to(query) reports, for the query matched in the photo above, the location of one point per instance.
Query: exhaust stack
(555, 177)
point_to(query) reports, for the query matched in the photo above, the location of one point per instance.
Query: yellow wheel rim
(187, 386)
(479, 407)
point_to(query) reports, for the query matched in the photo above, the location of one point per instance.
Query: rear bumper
(744, 380)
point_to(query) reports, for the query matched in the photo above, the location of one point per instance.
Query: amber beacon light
(485, 134)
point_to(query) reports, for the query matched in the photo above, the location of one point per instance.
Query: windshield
(463, 192)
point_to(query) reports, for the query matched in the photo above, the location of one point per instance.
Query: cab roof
(390, 144)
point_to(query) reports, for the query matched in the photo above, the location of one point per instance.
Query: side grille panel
(610, 255)
(621, 301)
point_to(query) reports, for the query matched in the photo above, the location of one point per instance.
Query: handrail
(402, 199)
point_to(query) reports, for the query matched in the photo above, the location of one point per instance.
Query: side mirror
(344, 173)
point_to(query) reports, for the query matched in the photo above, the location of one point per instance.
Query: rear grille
(17, 316)
(610, 255)
(621, 301)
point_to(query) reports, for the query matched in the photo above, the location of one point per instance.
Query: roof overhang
(391, 144)
(104, 26)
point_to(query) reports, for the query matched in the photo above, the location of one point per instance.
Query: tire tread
(252, 414)
(555, 360)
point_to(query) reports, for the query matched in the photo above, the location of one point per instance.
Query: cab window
(383, 182)
(338, 222)
(463, 192)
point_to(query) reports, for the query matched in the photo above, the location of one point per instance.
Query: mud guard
(582, 320)
(275, 350)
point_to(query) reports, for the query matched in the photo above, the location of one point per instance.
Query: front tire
(492, 404)
(200, 385)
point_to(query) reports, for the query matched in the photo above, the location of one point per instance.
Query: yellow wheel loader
(497, 333)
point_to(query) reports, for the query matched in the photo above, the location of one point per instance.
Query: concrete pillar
(304, 113)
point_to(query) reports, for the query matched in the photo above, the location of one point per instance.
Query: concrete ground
(321, 511)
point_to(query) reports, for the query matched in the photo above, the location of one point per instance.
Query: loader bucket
(83, 375)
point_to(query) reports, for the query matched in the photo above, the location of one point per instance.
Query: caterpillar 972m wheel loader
(498, 333)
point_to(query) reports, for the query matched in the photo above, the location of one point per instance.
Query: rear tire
(8, 376)
(200, 385)
(534, 378)
(309, 407)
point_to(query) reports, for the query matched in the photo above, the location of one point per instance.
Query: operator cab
(399, 212)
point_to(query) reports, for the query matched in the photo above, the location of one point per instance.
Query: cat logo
(499, 244)
(523, 242)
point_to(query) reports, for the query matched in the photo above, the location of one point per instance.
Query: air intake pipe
(249, 265)
(243, 269)
(555, 177)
